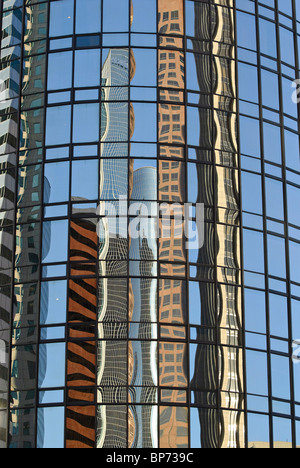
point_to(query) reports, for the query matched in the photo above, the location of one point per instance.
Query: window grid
(212, 163)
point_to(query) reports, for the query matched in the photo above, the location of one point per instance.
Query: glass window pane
(274, 199)
(268, 39)
(250, 137)
(257, 373)
(255, 305)
(145, 122)
(281, 377)
(258, 431)
(145, 71)
(246, 31)
(248, 82)
(293, 205)
(254, 251)
(282, 433)
(199, 421)
(276, 256)
(270, 89)
(252, 193)
(272, 143)
(292, 150)
(58, 176)
(295, 261)
(113, 22)
(144, 17)
(278, 316)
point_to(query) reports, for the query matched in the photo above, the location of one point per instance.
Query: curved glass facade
(118, 120)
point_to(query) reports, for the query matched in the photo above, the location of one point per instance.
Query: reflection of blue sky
(195, 303)
(145, 122)
(113, 22)
(61, 18)
(196, 429)
(146, 65)
(88, 16)
(89, 115)
(255, 304)
(58, 125)
(58, 241)
(52, 365)
(85, 179)
(58, 177)
(53, 302)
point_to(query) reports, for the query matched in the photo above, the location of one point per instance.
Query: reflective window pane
(60, 71)
(86, 123)
(87, 68)
(58, 125)
(88, 16)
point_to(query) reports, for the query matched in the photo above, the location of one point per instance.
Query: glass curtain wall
(268, 63)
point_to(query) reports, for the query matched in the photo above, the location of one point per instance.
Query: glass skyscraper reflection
(110, 339)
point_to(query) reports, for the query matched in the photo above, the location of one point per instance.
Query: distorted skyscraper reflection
(118, 118)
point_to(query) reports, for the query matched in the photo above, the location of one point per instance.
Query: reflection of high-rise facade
(111, 337)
